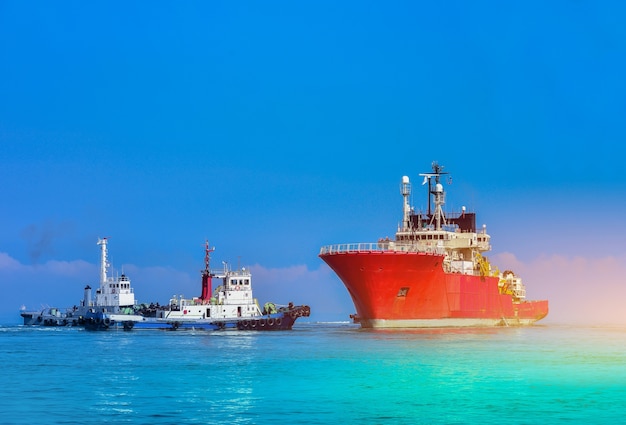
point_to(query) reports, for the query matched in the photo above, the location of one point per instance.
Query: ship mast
(104, 264)
(206, 273)
(438, 193)
(207, 256)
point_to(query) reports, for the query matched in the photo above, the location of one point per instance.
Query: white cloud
(8, 263)
(159, 284)
(77, 268)
(58, 283)
(579, 290)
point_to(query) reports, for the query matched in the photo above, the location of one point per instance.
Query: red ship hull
(392, 289)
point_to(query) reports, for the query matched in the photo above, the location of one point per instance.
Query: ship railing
(379, 247)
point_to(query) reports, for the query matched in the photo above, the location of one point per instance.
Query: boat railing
(379, 247)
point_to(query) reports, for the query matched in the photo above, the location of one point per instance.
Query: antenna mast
(438, 194)
(207, 256)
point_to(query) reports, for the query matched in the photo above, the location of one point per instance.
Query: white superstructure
(113, 292)
(232, 298)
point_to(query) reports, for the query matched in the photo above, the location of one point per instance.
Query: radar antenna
(435, 189)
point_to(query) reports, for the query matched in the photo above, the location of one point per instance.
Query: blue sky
(273, 128)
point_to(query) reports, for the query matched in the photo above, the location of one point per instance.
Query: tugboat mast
(207, 256)
(206, 273)
(104, 264)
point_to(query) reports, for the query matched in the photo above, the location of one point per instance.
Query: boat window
(403, 292)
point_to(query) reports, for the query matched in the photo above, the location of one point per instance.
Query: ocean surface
(318, 373)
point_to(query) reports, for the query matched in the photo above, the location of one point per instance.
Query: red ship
(433, 274)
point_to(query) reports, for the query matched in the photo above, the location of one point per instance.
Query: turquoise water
(315, 374)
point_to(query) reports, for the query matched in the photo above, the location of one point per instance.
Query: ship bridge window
(403, 292)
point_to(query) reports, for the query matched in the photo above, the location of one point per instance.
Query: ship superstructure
(113, 295)
(433, 273)
(114, 292)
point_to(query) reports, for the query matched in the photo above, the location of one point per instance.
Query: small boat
(48, 316)
(230, 306)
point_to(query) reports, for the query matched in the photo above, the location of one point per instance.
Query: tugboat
(230, 306)
(433, 274)
(115, 296)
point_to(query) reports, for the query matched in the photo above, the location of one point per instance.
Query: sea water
(318, 373)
